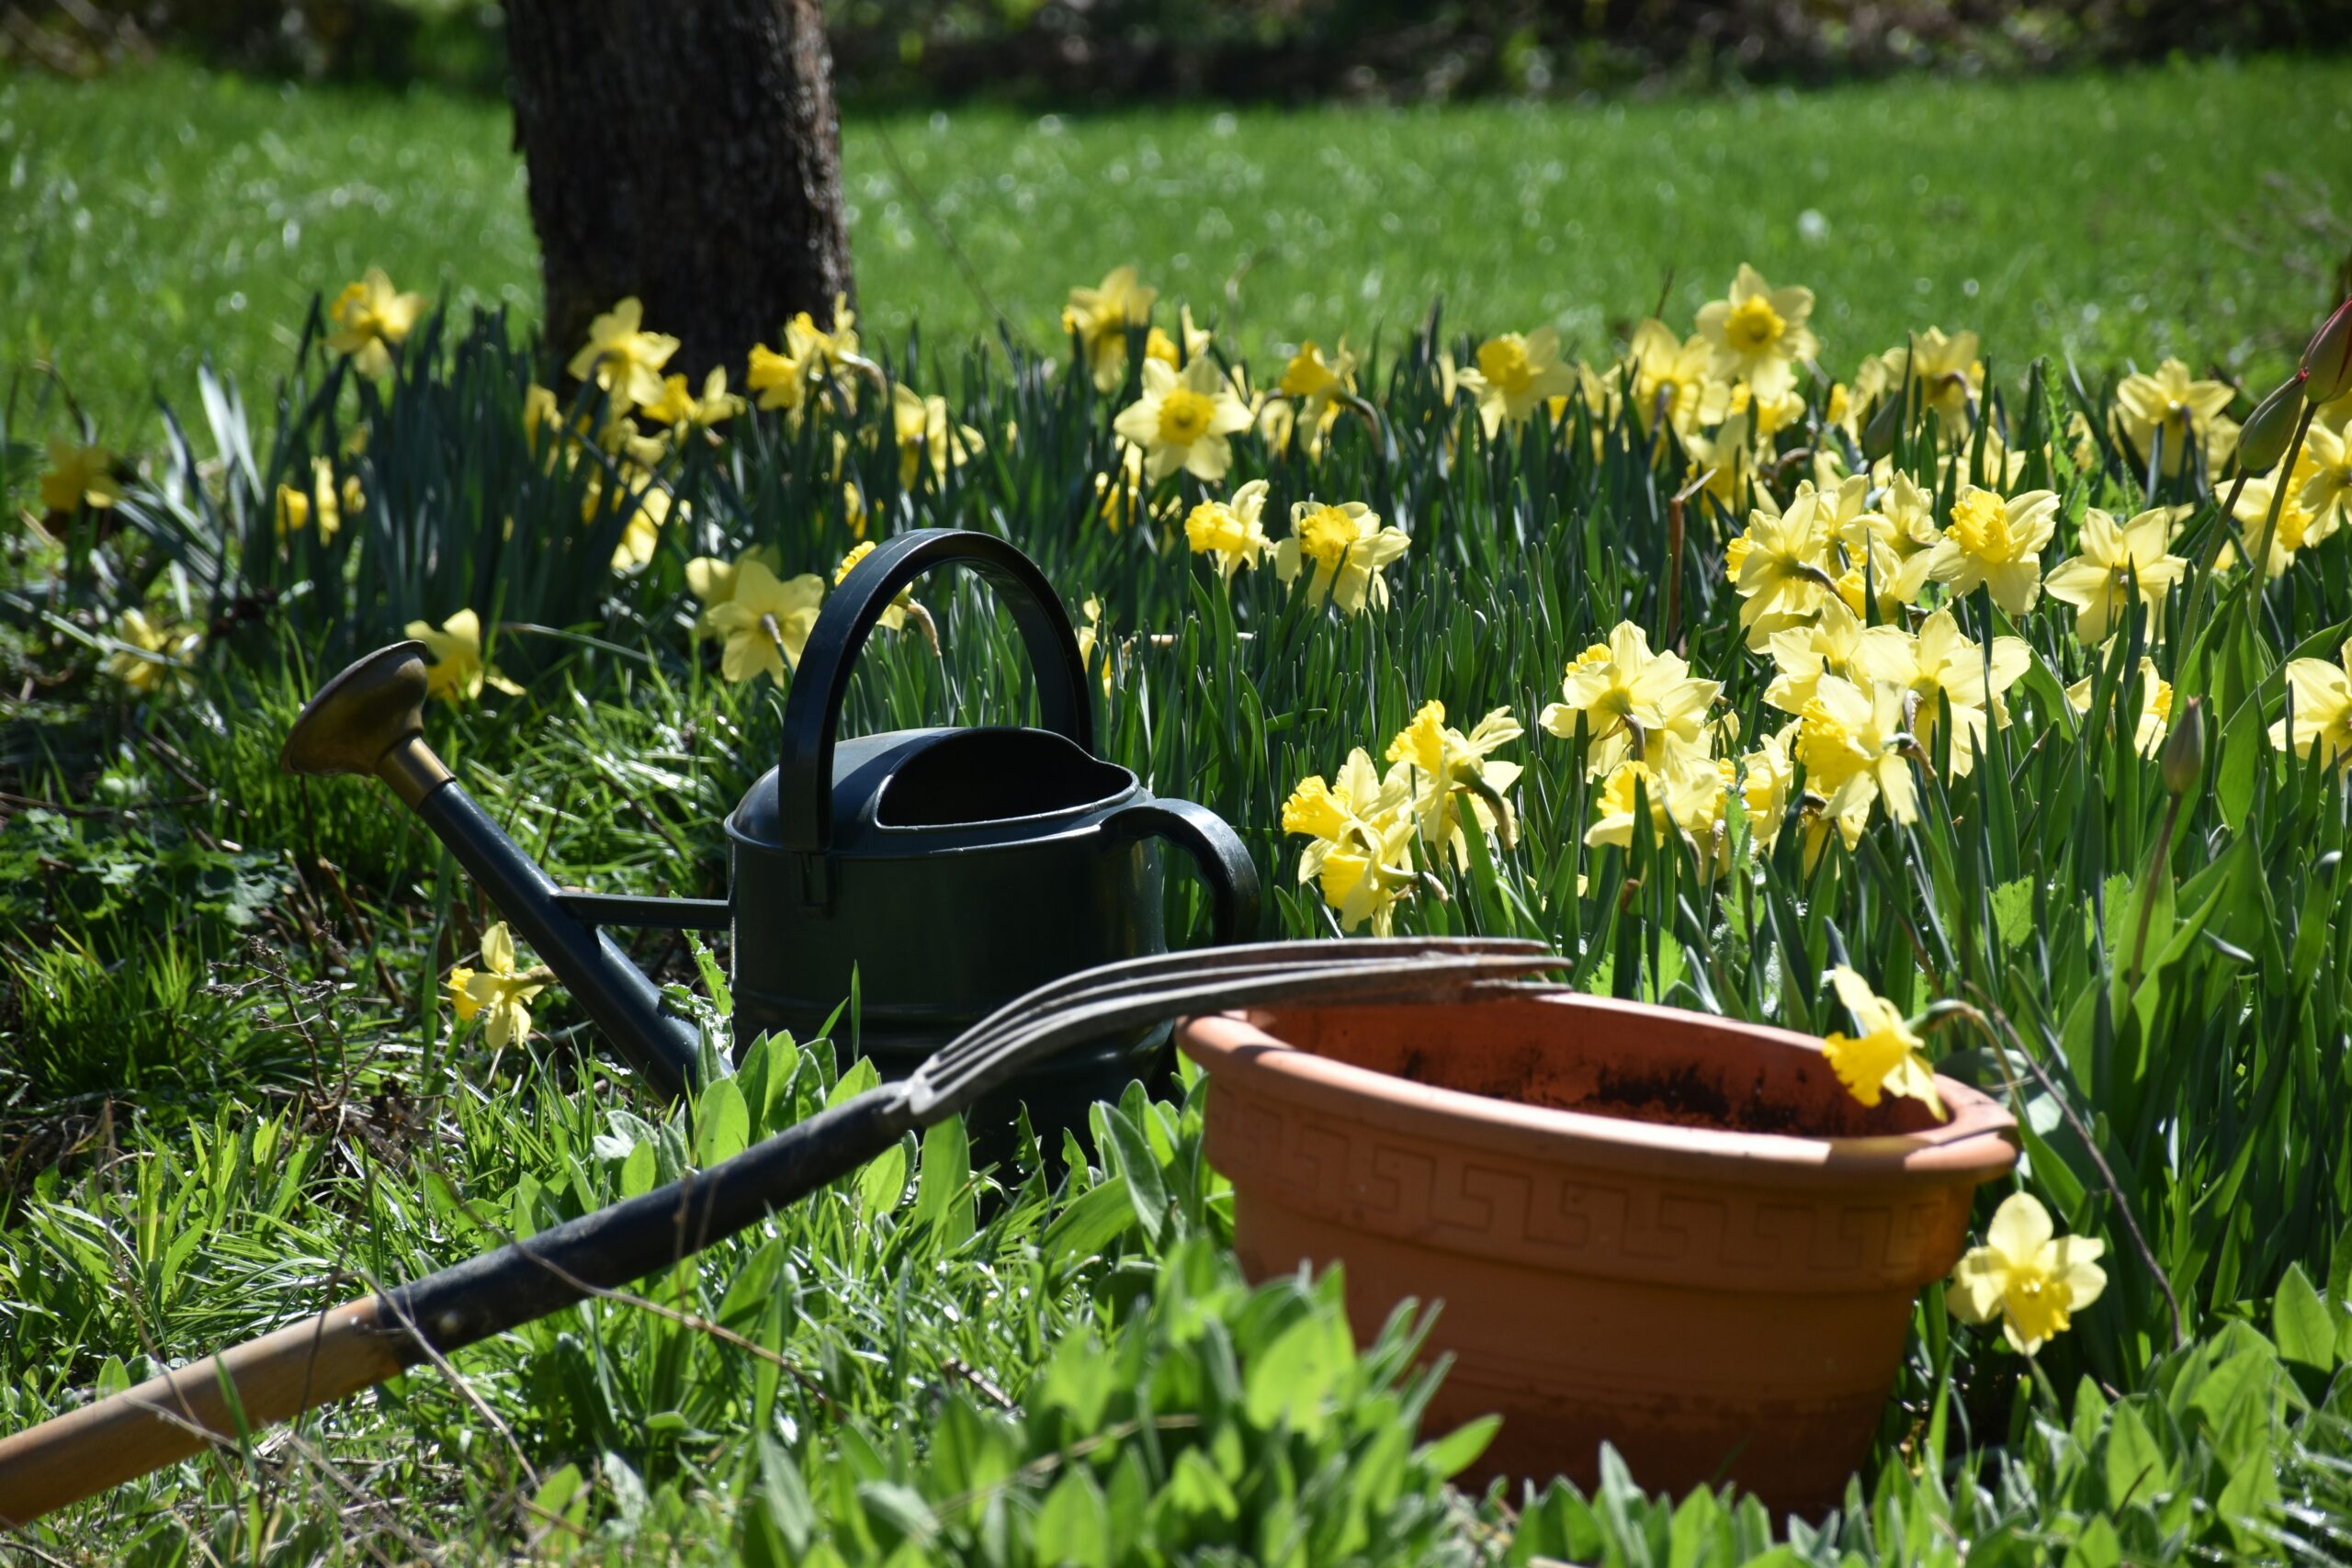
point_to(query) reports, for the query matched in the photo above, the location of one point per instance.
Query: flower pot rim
(1973, 1144)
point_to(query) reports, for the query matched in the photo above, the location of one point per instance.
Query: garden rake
(337, 1352)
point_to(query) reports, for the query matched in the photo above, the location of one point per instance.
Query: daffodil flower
(1671, 381)
(713, 580)
(1157, 345)
(371, 318)
(1685, 792)
(1996, 541)
(1887, 1056)
(152, 654)
(1946, 373)
(1517, 375)
(677, 406)
(1182, 420)
(457, 671)
(322, 506)
(766, 621)
(624, 358)
(1348, 548)
(1449, 766)
(2154, 721)
(2099, 582)
(1099, 319)
(1760, 332)
(781, 381)
(2320, 697)
(497, 991)
(1780, 566)
(1852, 742)
(2298, 527)
(1362, 829)
(1766, 775)
(2326, 471)
(2169, 407)
(1315, 388)
(925, 434)
(1630, 702)
(1832, 645)
(1942, 665)
(894, 614)
(2026, 1275)
(78, 476)
(1232, 533)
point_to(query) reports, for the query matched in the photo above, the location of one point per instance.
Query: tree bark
(687, 153)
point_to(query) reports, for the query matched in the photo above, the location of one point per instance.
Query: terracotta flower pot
(1674, 1232)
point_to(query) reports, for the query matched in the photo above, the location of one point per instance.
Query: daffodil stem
(2147, 904)
(2258, 569)
(2090, 1145)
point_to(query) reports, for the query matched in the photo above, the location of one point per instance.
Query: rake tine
(941, 1086)
(1250, 958)
(1235, 965)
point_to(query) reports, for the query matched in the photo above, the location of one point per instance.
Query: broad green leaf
(1087, 1227)
(1289, 1381)
(1074, 1525)
(2303, 1325)
(1459, 1449)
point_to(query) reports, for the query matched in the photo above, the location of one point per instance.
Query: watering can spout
(370, 719)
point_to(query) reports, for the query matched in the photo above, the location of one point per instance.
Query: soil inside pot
(1683, 1071)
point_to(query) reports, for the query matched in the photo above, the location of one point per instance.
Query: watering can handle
(1225, 865)
(804, 779)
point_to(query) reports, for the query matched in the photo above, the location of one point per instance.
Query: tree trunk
(686, 153)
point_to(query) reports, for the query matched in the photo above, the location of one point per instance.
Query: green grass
(161, 213)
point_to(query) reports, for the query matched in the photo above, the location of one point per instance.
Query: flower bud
(2183, 762)
(1885, 423)
(2267, 432)
(2327, 361)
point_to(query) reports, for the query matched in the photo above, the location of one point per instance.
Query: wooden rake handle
(359, 1344)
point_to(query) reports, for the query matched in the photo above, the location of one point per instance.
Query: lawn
(1994, 752)
(160, 214)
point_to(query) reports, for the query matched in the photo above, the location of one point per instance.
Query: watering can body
(949, 870)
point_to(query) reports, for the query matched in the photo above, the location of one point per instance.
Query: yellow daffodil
(782, 382)
(765, 621)
(1779, 566)
(1516, 376)
(2320, 697)
(1832, 645)
(1099, 319)
(1946, 373)
(1996, 541)
(2026, 1275)
(1723, 464)
(2326, 493)
(497, 990)
(648, 506)
(926, 438)
(1313, 389)
(457, 671)
(1231, 532)
(1090, 638)
(370, 319)
(151, 655)
(894, 614)
(1771, 415)
(1449, 766)
(1760, 332)
(1157, 345)
(624, 358)
(1362, 830)
(2298, 527)
(322, 506)
(1631, 702)
(2169, 407)
(1887, 1057)
(1943, 662)
(1671, 381)
(1767, 774)
(713, 580)
(1182, 420)
(1851, 741)
(677, 406)
(2155, 722)
(1686, 794)
(541, 414)
(1348, 548)
(2098, 580)
(78, 476)
(823, 350)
